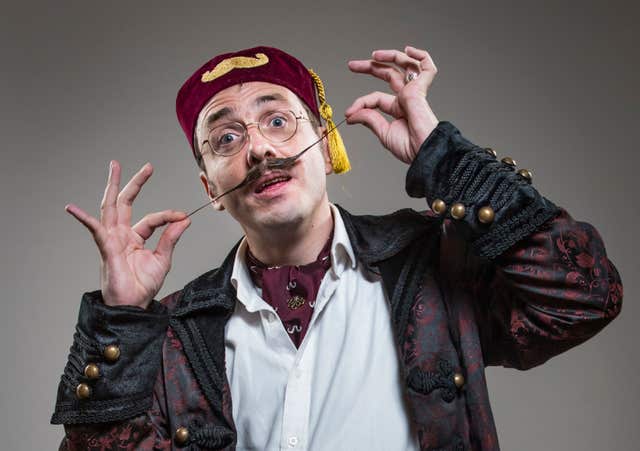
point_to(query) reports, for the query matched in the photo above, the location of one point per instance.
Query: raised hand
(409, 75)
(131, 274)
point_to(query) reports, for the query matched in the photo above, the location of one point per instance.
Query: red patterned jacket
(464, 294)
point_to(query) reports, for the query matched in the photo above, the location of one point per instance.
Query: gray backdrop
(554, 86)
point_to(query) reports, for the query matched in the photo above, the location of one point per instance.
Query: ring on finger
(410, 76)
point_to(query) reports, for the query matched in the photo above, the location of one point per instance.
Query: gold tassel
(337, 151)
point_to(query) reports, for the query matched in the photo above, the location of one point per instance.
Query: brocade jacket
(495, 274)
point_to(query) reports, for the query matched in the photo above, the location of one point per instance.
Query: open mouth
(270, 182)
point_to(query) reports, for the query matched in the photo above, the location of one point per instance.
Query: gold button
(182, 435)
(458, 379)
(486, 215)
(491, 152)
(526, 174)
(112, 353)
(92, 371)
(83, 391)
(509, 161)
(457, 211)
(438, 206)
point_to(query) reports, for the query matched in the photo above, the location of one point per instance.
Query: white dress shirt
(341, 390)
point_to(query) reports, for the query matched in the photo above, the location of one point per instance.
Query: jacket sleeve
(541, 281)
(111, 392)
(147, 431)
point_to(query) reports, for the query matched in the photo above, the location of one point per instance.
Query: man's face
(286, 203)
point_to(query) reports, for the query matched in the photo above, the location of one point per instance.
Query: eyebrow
(226, 111)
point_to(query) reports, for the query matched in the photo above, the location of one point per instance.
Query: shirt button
(293, 441)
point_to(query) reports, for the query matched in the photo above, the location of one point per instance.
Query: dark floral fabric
(548, 293)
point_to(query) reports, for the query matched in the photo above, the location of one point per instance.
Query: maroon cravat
(291, 290)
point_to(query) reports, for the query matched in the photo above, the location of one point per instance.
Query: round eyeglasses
(276, 126)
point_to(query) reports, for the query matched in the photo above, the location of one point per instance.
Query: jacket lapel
(199, 320)
(399, 247)
(378, 238)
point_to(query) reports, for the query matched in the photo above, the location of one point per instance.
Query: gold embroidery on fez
(237, 62)
(296, 302)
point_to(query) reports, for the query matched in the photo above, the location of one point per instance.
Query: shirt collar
(246, 292)
(342, 257)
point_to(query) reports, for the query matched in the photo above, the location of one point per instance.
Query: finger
(152, 221)
(92, 224)
(371, 119)
(385, 72)
(399, 58)
(108, 212)
(426, 62)
(130, 192)
(376, 100)
(169, 238)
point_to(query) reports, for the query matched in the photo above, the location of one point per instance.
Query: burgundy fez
(266, 64)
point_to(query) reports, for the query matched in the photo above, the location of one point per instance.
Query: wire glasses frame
(275, 126)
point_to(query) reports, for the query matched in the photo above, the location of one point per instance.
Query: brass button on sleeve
(457, 211)
(83, 391)
(182, 435)
(486, 215)
(458, 379)
(92, 371)
(438, 206)
(491, 152)
(112, 353)
(509, 161)
(526, 174)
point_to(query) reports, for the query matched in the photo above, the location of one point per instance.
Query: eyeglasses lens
(276, 126)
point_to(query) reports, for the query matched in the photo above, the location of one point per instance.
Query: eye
(226, 136)
(226, 139)
(277, 121)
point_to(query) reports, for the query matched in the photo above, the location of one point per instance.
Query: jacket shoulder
(377, 237)
(212, 287)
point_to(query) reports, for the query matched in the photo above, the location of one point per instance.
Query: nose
(258, 147)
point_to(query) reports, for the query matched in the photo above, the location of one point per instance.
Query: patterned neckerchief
(291, 289)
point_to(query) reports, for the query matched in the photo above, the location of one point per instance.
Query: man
(324, 330)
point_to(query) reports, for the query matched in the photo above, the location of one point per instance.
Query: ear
(328, 167)
(210, 190)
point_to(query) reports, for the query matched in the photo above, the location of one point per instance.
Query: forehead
(246, 97)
